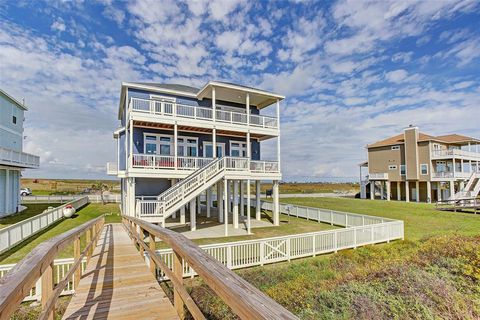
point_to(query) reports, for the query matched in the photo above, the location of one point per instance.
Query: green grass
(85, 214)
(421, 219)
(32, 210)
(433, 274)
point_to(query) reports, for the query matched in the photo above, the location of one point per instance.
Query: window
(208, 149)
(395, 147)
(392, 167)
(238, 149)
(14, 120)
(424, 168)
(403, 169)
(158, 144)
(187, 147)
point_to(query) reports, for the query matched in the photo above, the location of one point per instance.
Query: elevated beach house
(12, 159)
(415, 166)
(182, 150)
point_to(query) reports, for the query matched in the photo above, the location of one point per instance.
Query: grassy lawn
(32, 210)
(87, 213)
(43, 187)
(433, 274)
(421, 219)
(317, 187)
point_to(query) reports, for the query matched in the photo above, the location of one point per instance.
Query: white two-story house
(177, 144)
(12, 159)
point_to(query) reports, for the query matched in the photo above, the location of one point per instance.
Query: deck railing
(359, 230)
(39, 264)
(455, 153)
(172, 109)
(243, 298)
(451, 175)
(18, 232)
(17, 158)
(378, 176)
(95, 198)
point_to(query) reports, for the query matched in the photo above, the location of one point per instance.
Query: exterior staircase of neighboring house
(157, 210)
(471, 190)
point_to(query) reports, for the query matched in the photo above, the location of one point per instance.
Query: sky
(353, 72)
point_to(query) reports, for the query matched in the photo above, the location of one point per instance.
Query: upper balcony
(378, 176)
(18, 159)
(455, 153)
(171, 112)
(449, 175)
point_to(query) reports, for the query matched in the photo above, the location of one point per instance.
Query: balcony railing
(451, 175)
(455, 153)
(378, 176)
(171, 109)
(18, 159)
(264, 166)
(112, 168)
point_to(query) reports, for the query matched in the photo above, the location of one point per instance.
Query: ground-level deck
(117, 283)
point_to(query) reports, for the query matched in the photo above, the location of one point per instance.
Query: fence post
(178, 273)
(76, 256)
(47, 289)
(229, 257)
(331, 217)
(88, 239)
(335, 241)
(152, 248)
(314, 252)
(355, 238)
(262, 253)
(140, 240)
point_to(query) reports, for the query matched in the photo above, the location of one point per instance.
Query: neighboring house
(168, 132)
(12, 159)
(414, 166)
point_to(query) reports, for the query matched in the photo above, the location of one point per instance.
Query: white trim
(240, 88)
(241, 148)
(163, 98)
(221, 144)
(423, 164)
(157, 89)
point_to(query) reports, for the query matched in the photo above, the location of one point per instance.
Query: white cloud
(58, 25)
(397, 76)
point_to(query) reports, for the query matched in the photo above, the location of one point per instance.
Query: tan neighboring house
(414, 166)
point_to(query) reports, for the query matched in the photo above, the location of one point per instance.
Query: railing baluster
(47, 288)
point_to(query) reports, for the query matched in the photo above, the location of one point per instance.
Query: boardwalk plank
(117, 284)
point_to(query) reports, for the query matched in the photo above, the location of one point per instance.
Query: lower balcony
(14, 158)
(446, 175)
(169, 166)
(378, 176)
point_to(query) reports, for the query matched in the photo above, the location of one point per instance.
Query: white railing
(455, 153)
(61, 267)
(95, 198)
(172, 109)
(17, 158)
(378, 176)
(359, 230)
(264, 166)
(112, 168)
(451, 175)
(16, 233)
(154, 161)
(163, 204)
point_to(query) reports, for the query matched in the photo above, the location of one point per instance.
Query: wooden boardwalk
(117, 284)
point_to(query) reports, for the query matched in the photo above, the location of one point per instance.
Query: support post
(407, 192)
(175, 142)
(258, 209)
(235, 204)
(388, 185)
(47, 289)
(209, 201)
(399, 191)
(417, 191)
(76, 256)
(372, 190)
(249, 228)
(220, 201)
(226, 200)
(276, 204)
(242, 198)
(182, 215)
(452, 188)
(193, 214)
(381, 190)
(178, 272)
(151, 245)
(429, 192)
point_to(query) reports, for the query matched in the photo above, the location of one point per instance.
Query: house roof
(171, 86)
(13, 100)
(400, 139)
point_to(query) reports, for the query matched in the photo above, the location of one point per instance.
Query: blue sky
(353, 71)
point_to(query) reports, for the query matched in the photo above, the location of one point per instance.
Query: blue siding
(13, 190)
(138, 143)
(121, 150)
(151, 186)
(12, 136)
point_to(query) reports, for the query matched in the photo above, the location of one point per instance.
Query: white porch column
(388, 189)
(372, 190)
(417, 191)
(439, 191)
(226, 201)
(452, 188)
(242, 198)
(199, 204)
(175, 142)
(258, 209)
(214, 104)
(429, 192)
(182, 215)
(193, 222)
(399, 191)
(7, 191)
(407, 191)
(249, 231)
(276, 204)
(235, 204)
(173, 182)
(462, 185)
(228, 207)
(214, 116)
(278, 137)
(209, 201)
(220, 199)
(381, 190)
(214, 143)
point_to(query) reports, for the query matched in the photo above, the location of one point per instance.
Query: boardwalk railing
(60, 269)
(243, 298)
(94, 198)
(18, 232)
(39, 264)
(359, 230)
